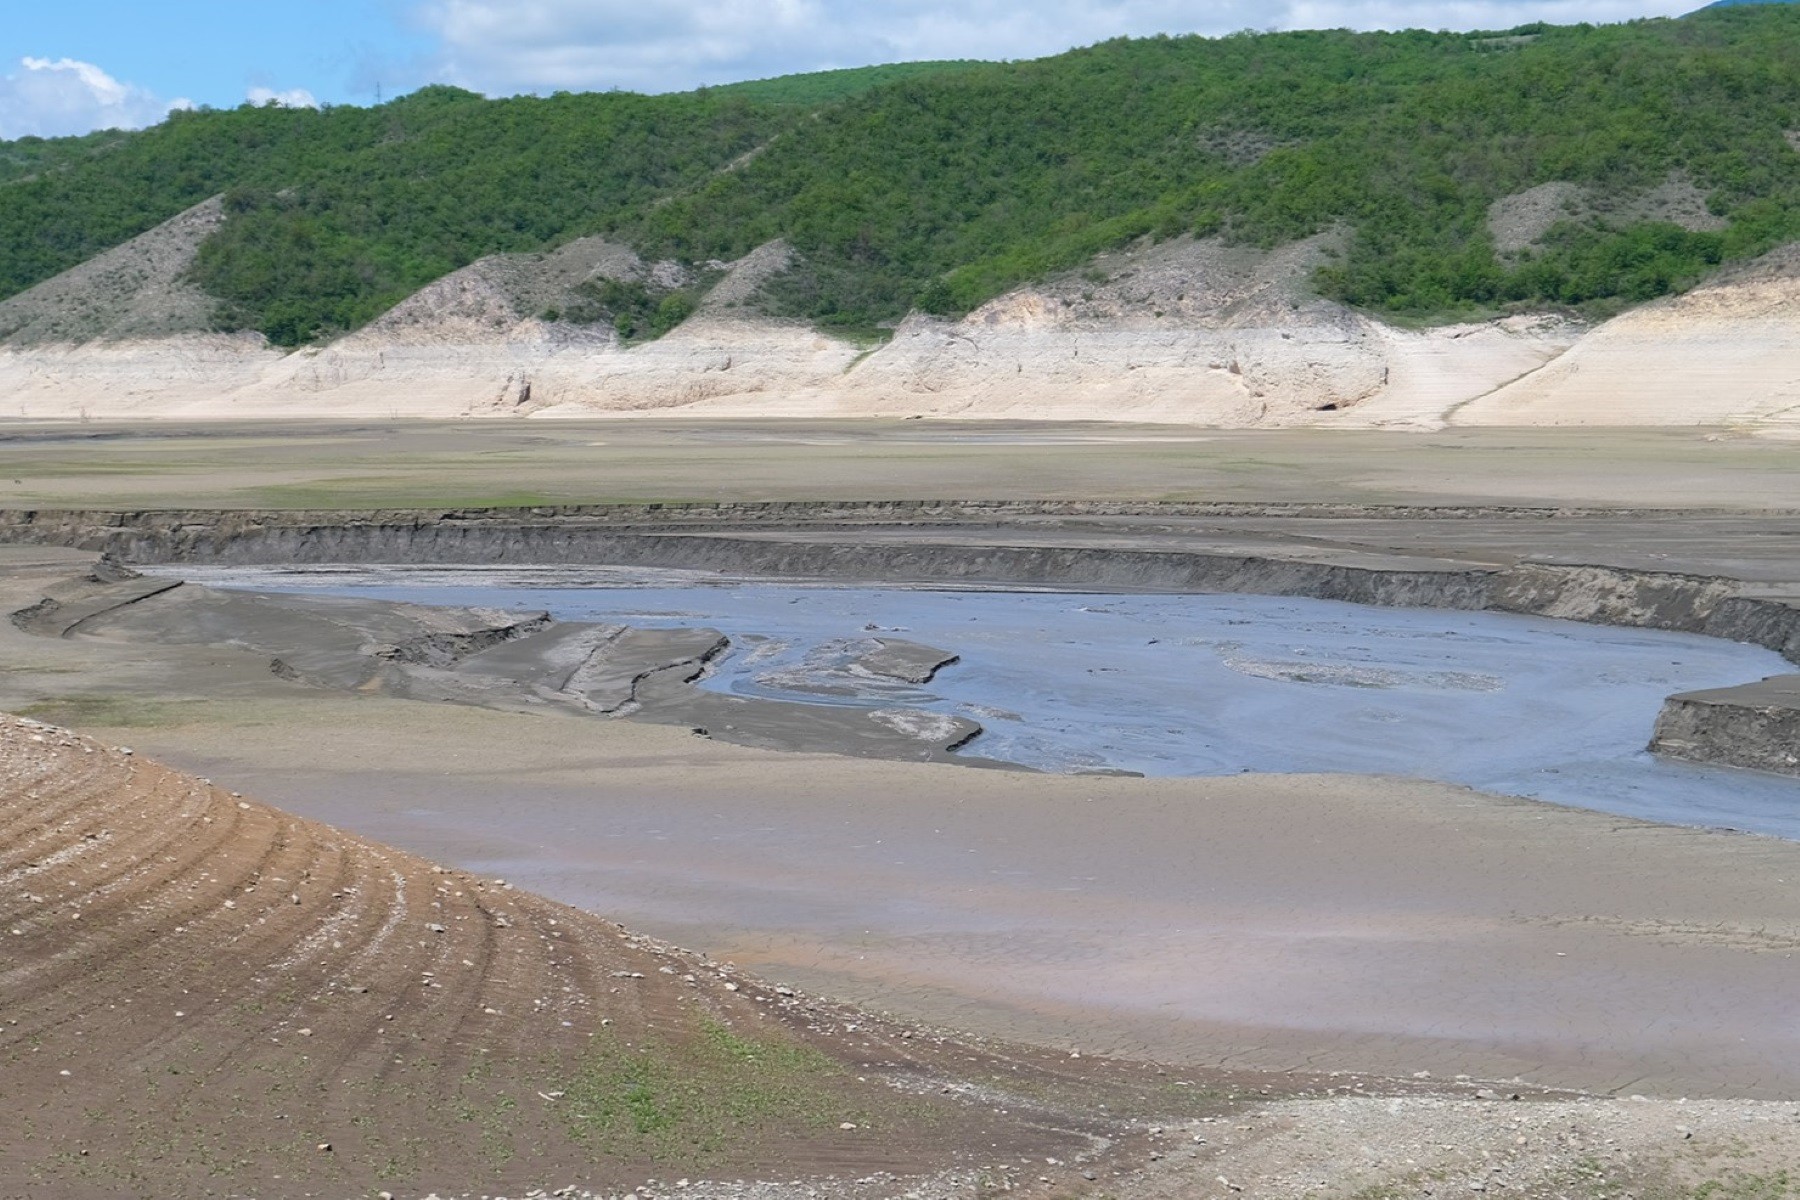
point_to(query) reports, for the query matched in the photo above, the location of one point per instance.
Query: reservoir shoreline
(1713, 573)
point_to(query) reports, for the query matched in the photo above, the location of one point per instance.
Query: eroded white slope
(1727, 353)
(1185, 331)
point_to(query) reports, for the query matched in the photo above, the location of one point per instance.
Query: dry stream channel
(1178, 685)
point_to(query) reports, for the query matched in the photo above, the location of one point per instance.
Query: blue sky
(83, 64)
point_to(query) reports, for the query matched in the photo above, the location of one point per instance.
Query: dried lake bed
(1181, 685)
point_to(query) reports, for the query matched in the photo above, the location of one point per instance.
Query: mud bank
(491, 657)
(1171, 685)
(1756, 725)
(1318, 922)
(1717, 605)
(1561, 564)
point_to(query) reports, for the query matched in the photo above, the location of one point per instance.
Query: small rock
(324, 1147)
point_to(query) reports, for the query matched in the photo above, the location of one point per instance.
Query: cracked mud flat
(1160, 685)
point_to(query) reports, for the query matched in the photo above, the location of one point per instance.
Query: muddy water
(1195, 685)
(1303, 922)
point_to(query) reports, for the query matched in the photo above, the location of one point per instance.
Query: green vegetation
(691, 1101)
(1741, 1185)
(441, 178)
(334, 216)
(947, 191)
(33, 156)
(938, 185)
(824, 87)
(119, 712)
(635, 310)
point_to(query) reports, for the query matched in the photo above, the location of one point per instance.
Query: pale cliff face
(1192, 332)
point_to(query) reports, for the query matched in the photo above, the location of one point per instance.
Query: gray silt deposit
(1163, 685)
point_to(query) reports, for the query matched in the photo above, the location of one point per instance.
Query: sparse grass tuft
(1738, 1185)
(699, 1098)
(115, 712)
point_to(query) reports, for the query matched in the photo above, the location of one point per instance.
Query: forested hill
(940, 185)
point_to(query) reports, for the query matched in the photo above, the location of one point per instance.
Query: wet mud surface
(1154, 685)
(1333, 922)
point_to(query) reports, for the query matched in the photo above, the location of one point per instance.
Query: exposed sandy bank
(125, 332)
(217, 996)
(284, 1006)
(190, 375)
(1727, 353)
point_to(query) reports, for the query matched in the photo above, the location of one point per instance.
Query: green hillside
(824, 87)
(941, 185)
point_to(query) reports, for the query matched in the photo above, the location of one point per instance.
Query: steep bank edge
(1755, 726)
(1717, 605)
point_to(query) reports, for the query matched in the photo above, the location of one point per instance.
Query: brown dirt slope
(200, 995)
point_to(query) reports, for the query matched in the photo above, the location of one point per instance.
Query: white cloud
(500, 46)
(292, 98)
(58, 97)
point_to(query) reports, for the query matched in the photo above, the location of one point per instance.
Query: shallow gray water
(1194, 684)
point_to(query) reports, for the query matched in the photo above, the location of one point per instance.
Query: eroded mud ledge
(499, 659)
(1732, 576)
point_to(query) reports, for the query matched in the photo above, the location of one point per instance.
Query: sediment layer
(514, 662)
(1717, 605)
(1134, 547)
(1755, 725)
